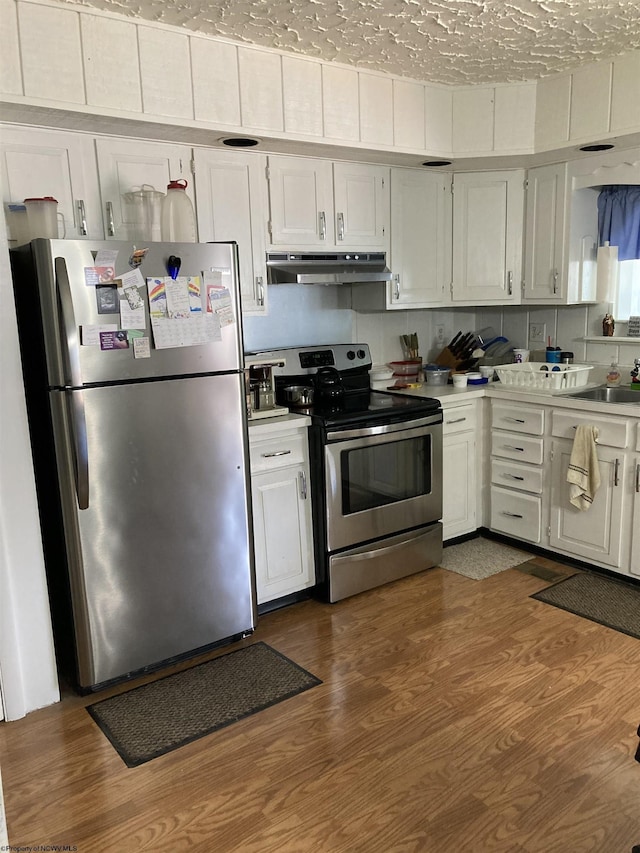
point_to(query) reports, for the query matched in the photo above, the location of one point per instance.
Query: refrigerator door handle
(69, 322)
(79, 434)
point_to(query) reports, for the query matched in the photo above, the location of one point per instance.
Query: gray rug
(612, 603)
(155, 718)
(480, 558)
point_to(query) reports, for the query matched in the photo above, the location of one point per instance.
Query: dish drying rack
(543, 376)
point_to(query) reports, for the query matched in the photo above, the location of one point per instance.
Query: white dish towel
(583, 474)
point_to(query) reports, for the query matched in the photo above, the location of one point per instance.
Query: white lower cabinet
(635, 512)
(281, 504)
(595, 534)
(517, 474)
(459, 474)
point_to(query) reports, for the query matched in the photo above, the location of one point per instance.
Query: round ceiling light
(601, 146)
(240, 141)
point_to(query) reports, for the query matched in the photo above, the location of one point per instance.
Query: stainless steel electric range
(376, 469)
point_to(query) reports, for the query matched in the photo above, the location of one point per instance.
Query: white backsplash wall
(300, 315)
(322, 315)
(382, 330)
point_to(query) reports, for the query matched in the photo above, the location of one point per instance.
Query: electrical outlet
(537, 333)
(440, 334)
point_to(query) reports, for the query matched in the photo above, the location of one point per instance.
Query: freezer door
(160, 562)
(71, 309)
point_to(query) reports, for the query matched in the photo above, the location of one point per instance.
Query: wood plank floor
(454, 715)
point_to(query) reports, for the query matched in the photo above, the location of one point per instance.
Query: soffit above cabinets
(438, 41)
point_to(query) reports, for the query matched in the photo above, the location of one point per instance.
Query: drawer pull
(512, 477)
(512, 514)
(512, 447)
(456, 421)
(276, 453)
(616, 469)
(515, 420)
(638, 477)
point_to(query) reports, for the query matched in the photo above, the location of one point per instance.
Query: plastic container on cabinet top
(177, 217)
(434, 374)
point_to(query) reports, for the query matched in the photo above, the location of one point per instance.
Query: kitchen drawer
(516, 514)
(522, 448)
(459, 419)
(517, 418)
(613, 432)
(278, 452)
(524, 478)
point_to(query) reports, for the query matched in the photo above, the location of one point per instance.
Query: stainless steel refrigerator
(140, 449)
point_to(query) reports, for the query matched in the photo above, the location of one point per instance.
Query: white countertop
(450, 396)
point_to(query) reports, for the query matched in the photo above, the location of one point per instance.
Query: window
(619, 227)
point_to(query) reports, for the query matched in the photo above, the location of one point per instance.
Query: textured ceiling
(440, 41)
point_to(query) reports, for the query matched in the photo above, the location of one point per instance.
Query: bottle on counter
(614, 377)
(608, 325)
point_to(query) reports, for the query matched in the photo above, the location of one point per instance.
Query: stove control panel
(317, 358)
(353, 358)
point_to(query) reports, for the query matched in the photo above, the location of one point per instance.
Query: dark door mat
(612, 603)
(158, 717)
(539, 572)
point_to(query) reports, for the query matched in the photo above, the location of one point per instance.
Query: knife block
(448, 359)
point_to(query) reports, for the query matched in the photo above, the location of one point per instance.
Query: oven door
(381, 480)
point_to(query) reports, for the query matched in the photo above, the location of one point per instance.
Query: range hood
(326, 267)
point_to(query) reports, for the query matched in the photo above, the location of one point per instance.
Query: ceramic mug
(521, 355)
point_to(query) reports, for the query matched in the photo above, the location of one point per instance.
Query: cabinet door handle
(276, 453)
(82, 216)
(638, 477)
(396, 286)
(111, 228)
(515, 420)
(510, 283)
(322, 221)
(302, 478)
(260, 289)
(616, 470)
(512, 447)
(341, 226)
(512, 477)
(555, 281)
(512, 514)
(456, 421)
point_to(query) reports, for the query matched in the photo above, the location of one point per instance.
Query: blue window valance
(619, 220)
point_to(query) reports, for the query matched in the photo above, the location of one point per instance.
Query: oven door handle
(382, 429)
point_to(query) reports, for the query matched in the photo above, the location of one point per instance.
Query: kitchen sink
(608, 395)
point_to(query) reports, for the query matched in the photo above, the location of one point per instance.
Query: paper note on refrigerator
(177, 318)
(201, 329)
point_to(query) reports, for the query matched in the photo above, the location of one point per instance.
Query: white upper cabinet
(124, 165)
(544, 271)
(301, 202)
(361, 205)
(231, 205)
(420, 238)
(487, 237)
(38, 163)
(314, 204)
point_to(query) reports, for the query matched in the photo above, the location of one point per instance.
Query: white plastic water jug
(177, 217)
(42, 216)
